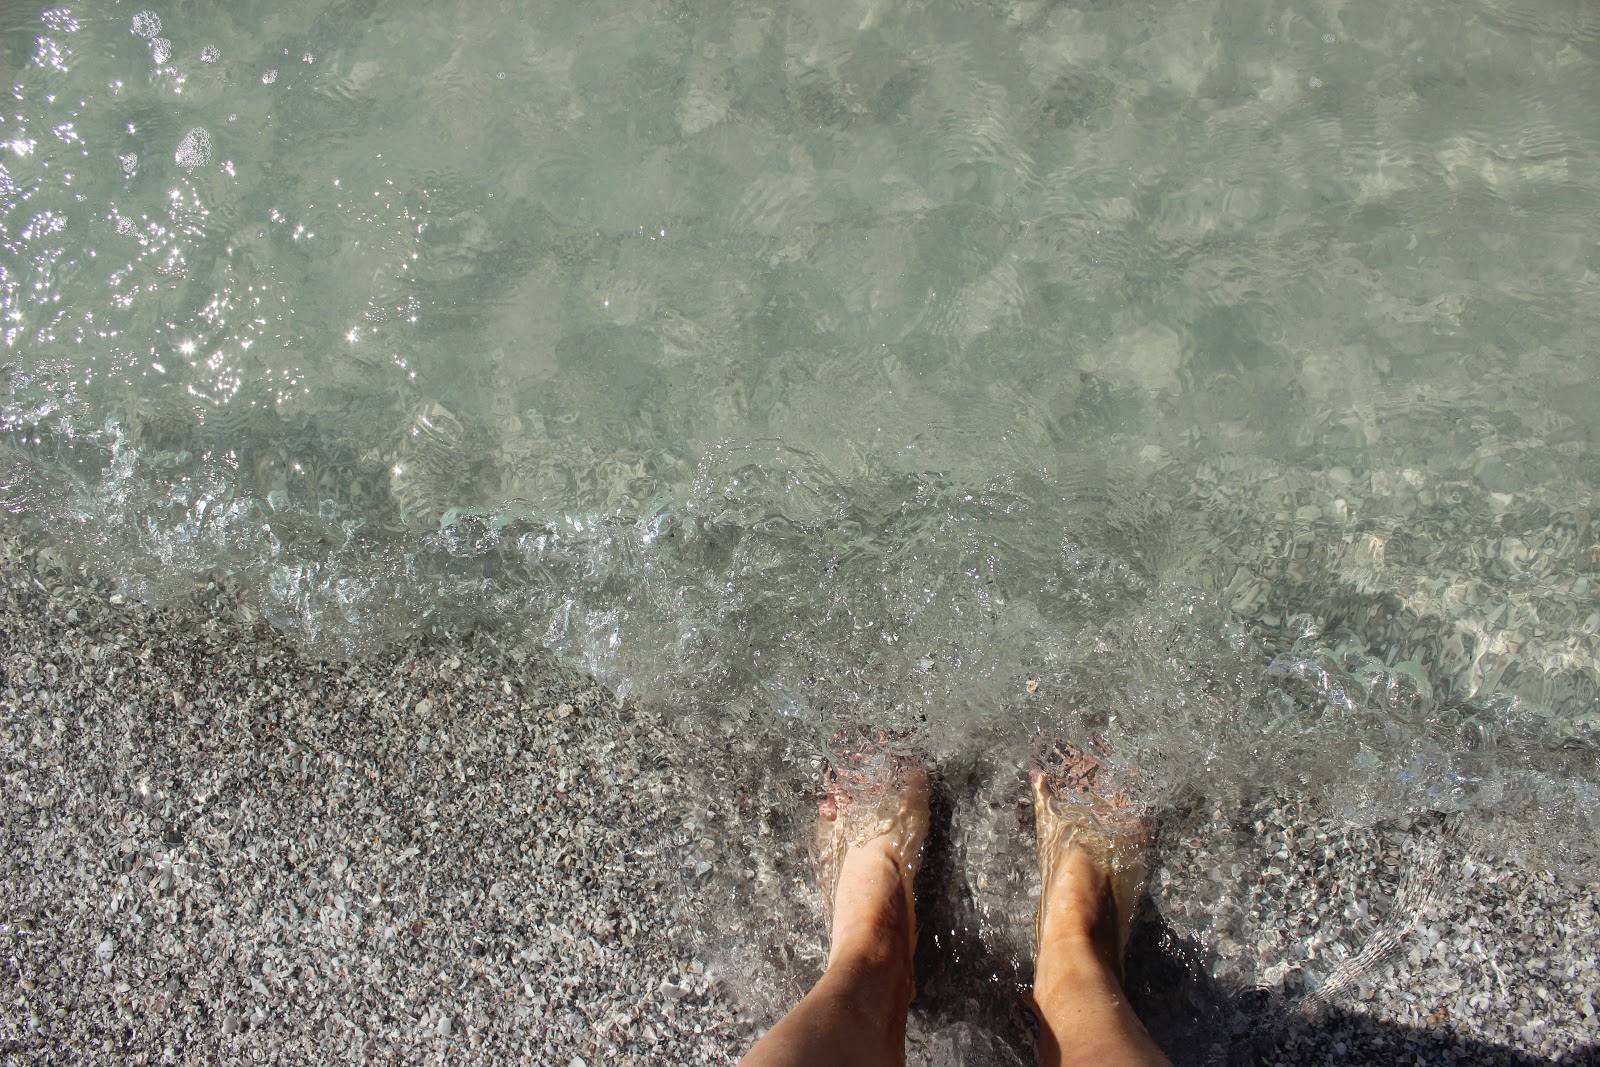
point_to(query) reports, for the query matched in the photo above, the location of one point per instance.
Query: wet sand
(216, 850)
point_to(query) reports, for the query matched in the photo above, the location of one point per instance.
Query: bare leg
(1092, 861)
(856, 1013)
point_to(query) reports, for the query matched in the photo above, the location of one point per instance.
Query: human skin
(855, 1016)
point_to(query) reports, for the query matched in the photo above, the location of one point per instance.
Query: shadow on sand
(1197, 1020)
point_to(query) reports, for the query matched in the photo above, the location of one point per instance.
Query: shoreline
(217, 848)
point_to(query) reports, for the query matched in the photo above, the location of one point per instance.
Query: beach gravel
(214, 849)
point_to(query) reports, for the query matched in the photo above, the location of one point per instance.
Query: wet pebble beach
(218, 850)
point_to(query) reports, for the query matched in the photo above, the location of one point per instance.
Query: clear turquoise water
(1216, 379)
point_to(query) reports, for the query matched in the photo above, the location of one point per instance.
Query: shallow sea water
(1211, 381)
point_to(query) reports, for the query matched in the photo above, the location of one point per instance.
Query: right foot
(1093, 856)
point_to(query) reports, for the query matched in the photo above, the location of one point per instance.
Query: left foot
(1094, 848)
(873, 824)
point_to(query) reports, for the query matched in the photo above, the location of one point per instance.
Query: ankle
(876, 983)
(875, 938)
(872, 953)
(873, 920)
(1072, 961)
(1082, 906)
(878, 966)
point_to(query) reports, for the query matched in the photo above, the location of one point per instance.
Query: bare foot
(1093, 856)
(870, 835)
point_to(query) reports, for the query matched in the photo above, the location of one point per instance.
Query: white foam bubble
(130, 163)
(269, 77)
(160, 49)
(195, 149)
(210, 54)
(146, 24)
